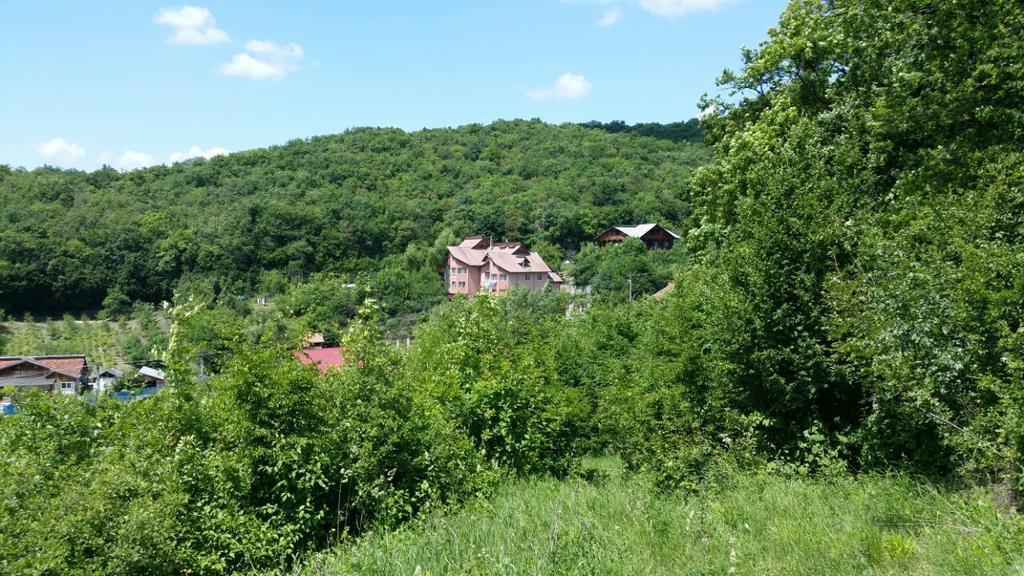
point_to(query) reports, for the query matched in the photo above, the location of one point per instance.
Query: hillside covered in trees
(339, 203)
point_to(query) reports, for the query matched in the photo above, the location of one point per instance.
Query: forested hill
(690, 131)
(336, 203)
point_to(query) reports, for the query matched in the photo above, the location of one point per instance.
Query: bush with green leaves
(236, 475)
(488, 365)
(618, 271)
(863, 217)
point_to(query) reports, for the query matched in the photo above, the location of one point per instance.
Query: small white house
(105, 378)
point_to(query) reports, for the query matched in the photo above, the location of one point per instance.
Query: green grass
(751, 524)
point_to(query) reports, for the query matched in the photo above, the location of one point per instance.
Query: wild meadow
(607, 522)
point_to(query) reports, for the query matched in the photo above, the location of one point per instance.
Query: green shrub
(492, 372)
(236, 475)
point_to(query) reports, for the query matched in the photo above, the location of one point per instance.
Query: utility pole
(630, 278)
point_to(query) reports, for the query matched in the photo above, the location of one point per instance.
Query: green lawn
(751, 525)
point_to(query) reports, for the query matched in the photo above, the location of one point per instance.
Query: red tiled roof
(70, 366)
(322, 358)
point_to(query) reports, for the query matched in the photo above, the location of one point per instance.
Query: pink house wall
(466, 278)
(495, 277)
(537, 281)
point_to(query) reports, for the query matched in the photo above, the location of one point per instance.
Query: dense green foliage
(267, 459)
(849, 295)
(617, 271)
(690, 131)
(369, 201)
(235, 475)
(858, 272)
(486, 359)
(752, 525)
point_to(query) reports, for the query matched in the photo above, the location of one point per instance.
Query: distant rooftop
(640, 230)
(70, 365)
(323, 358)
(152, 373)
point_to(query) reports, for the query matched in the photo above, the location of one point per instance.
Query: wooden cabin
(652, 235)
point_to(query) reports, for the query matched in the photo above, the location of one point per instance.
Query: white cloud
(610, 18)
(197, 152)
(59, 150)
(676, 8)
(291, 51)
(245, 65)
(192, 25)
(567, 87)
(264, 60)
(132, 160)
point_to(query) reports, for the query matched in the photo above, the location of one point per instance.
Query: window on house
(67, 385)
(527, 276)
(502, 276)
(453, 283)
(462, 284)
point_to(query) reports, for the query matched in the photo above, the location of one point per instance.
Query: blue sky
(136, 83)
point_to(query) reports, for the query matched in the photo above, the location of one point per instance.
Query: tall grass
(751, 524)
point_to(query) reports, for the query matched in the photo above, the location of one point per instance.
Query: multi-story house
(476, 265)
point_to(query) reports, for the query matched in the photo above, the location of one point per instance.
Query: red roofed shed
(323, 358)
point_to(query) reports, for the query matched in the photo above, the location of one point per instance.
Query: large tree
(867, 205)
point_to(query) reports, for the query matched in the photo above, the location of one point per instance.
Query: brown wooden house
(64, 374)
(652, 235)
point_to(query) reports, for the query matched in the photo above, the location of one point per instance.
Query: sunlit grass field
(748, 524)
